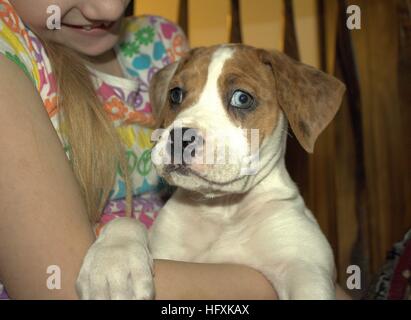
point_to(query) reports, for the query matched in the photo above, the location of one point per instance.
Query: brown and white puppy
(224, 212)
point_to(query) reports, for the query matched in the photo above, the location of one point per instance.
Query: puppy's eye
(176, 96)
(242, 100)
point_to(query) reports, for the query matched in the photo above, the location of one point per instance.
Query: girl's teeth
(103, 25)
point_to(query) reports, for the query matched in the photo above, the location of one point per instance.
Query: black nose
(179, 140)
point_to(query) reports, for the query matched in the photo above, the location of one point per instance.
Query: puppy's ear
(309, 97)
(159, 90)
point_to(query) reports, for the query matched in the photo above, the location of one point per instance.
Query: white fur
(260, 220)
(209, 115)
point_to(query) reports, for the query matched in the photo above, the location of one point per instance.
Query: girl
(75, 146)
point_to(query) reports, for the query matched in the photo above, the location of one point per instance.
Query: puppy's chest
(194, 236)
(229, 246)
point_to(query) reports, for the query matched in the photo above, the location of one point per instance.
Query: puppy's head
(222, 111)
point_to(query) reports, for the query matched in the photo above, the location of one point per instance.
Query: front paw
(118, 265)
(306, 284)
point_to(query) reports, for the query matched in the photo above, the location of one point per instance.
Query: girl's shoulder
(148, 27)
(150, 40)
(18, 43)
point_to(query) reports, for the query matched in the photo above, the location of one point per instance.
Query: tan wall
(262, 21)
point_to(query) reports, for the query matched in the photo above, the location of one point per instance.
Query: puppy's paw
(314, 291)
(118, 265)
(307, 284)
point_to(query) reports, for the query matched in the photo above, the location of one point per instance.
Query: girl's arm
(43, 220)
(198, 281)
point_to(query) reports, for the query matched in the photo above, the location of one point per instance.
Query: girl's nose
(106, 10)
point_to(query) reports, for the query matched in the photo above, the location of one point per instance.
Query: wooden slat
(351, 193)
(290, 39)
(322, 33)
(235, 33)
(130, 9)
(296, 157)
(404, 82)
(183, 16)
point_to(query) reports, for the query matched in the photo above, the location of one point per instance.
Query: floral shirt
(148, 44)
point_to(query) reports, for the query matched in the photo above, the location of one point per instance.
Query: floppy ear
(309, 97)
(159, 90)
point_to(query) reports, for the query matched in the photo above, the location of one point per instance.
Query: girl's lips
(95, 29)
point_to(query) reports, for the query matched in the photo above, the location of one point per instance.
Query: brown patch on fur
(191, 75)
(309, 97)
(245, 71)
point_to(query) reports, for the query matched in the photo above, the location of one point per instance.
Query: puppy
(227, 102)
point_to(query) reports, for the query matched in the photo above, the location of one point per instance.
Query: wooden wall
(358, 182)
(385, 89)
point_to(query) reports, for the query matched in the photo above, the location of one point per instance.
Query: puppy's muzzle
(183, 145)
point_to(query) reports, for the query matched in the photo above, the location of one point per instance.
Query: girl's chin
(94, 52)
(94, 48)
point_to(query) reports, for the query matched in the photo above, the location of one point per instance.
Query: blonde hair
(96, 151)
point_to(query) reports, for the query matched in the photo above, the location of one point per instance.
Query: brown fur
(190, 74)
(245, 71)
(308, 97)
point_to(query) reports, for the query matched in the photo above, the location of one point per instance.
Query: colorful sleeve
(149, 44)
(15, 42)
(173, 38)
(21, 46)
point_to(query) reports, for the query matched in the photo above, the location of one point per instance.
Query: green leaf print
(144, 163)
(16, 60)
(145, 35)
(130, 49)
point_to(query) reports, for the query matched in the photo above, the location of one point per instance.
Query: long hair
(96, 150)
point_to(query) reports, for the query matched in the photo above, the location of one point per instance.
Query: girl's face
(90, 27)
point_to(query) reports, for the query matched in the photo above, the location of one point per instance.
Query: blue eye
(241, 100)
(176, 96)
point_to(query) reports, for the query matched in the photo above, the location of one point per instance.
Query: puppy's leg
(301, 280)
(295, 256)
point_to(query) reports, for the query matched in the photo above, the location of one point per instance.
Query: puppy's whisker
(288, 133)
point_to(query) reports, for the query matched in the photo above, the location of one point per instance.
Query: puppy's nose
(179, 140)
